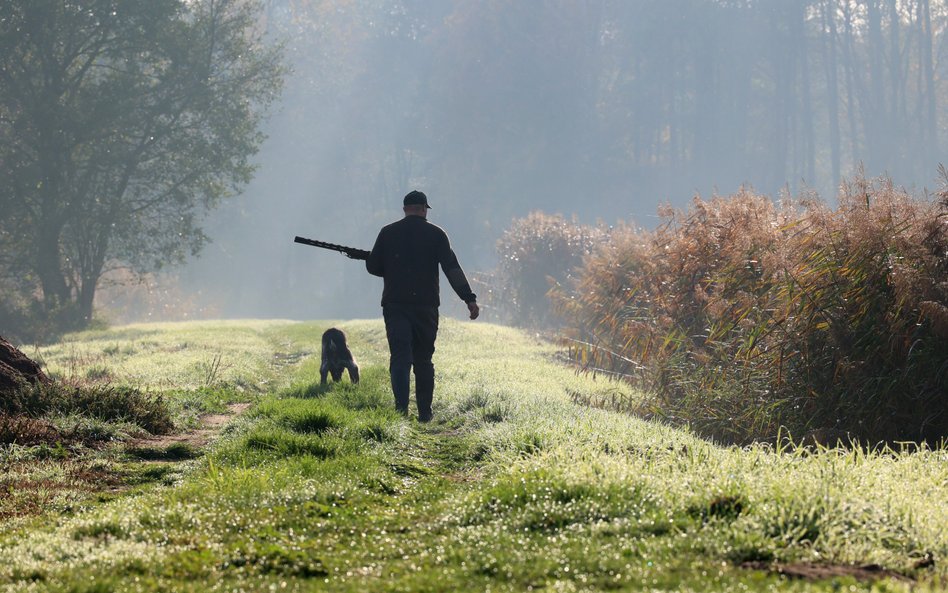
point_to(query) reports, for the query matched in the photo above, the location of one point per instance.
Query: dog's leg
(323, 371)
(353, 371)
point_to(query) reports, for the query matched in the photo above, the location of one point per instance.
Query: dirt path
(211, 426)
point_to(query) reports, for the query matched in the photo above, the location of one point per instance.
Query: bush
(741, 316)
(537, 253)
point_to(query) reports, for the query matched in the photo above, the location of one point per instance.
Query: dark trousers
(411, 332)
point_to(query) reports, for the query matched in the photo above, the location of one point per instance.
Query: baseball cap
(415, 198)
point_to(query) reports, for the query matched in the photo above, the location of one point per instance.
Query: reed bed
(748, 318)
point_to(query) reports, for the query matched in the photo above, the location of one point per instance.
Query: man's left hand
(474, 309)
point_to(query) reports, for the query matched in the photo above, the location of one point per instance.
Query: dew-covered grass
(513, 487)
(244, 355)
(124, 384)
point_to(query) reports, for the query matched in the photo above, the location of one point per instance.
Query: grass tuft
(102, 402)
(280, 442)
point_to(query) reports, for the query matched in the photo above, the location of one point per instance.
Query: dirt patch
(819, 572)
(210, 427)
(466, 477)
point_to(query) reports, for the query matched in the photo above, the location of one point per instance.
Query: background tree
(121, 123)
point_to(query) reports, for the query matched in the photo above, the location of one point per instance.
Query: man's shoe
(424, 417)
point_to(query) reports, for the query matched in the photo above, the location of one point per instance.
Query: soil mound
(17, 369)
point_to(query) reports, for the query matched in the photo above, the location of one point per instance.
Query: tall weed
(742, 316)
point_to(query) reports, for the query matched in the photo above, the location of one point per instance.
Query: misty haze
(601, 110)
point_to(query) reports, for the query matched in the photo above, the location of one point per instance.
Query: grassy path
(514, 487)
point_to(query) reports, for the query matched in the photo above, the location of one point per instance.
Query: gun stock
(350, 252)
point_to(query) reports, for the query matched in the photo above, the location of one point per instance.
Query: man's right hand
(474, 309)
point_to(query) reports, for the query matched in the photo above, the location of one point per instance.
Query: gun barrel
(351, 252)
(314, 243)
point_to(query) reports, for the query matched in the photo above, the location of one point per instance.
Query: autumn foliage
(746, 318)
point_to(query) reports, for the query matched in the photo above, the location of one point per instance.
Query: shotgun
(350, 252)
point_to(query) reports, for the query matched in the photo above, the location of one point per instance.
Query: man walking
(406, 255)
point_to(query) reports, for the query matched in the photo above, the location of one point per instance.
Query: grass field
(515, 486)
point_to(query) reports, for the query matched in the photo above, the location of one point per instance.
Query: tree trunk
(87, 297)
(930, 127)
(48, 266)
(707, 111)
(809, 141)
(876, 119)
(784, 74)
(832, 85)
(900, 163)
(854, 85)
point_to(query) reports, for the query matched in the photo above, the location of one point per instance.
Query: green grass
(245, 356)
(515, 486)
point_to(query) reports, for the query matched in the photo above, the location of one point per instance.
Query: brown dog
(336, 357)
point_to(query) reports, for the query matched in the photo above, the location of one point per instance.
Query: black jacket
(407, 254)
